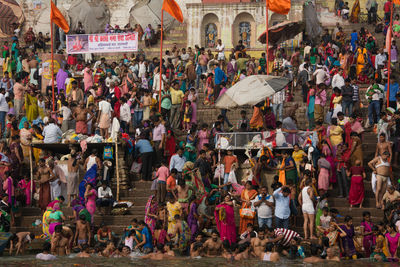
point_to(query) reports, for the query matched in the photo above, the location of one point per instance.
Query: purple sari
(192, 221)
(368, 240)
(347, 241)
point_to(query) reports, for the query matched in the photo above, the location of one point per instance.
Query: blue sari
(89, 178)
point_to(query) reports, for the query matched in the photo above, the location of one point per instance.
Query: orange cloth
(58, 18)
(256, 120)
(171, 183)
(228, 161)
(246, 195)
(173, 9)
(282, 177)
(279, 6)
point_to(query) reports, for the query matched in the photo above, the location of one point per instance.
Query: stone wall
(37, 12)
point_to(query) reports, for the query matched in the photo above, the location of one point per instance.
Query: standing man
(386, 9)
(394, 89)
(19, 91)
(347, 98)
(372, 9)
(221, 55)
(72, 179)
(302, 80)
(81, 118)
(282, 209)
(159, 138)
(381, 168)
(219, 77)
(372, 95)
(6, 82)
(176, 100)
(264, 203)
(125, 114)
(3, 111)
(144, 149)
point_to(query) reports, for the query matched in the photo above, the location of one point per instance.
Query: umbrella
(251, 90)
(282, 32)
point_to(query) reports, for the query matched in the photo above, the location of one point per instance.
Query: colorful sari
(26, 187)
(246, 195)
(89, 178)
(91, 203)
(192, 221)
(31, 106)
(184, 238)
(173, 209)
(368, 240)
(225, 220)
(355, 12)
(152, 209)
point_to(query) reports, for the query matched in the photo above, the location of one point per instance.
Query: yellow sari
(31, 106)
(355, 12)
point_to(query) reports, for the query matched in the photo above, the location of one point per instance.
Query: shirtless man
(158, 255)
(84, 252)
(81, 118)
(82, 234)
(68, 234)
(269, 255)
(213, 245)
(59, 243)
(109, 250)
(72, 180)
(196, 248)
(332, 254)
(258, 243)
(184, 193)
(383, 146)
(381, 168)
(20, 240)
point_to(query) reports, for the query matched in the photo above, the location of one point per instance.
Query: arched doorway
(244, 29)
(210, 30)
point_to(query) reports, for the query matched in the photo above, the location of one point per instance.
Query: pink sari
(91, 203)
(226, 223)
(26, 186)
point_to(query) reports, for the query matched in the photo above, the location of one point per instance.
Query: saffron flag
(173, 9)
(58, 18)
(396, 2)
(280, 6)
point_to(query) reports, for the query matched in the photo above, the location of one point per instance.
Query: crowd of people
(195, 192)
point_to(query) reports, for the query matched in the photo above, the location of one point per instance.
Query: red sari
(356, 193)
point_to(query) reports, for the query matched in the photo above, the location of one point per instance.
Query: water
(30, 260)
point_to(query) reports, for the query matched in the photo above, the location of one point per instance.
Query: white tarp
(251, 90)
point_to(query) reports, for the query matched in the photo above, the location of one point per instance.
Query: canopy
(251, 90)
(281, 32)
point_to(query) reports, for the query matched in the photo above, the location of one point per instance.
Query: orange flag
(280, 6)
(173, 9)
(396, 2)
(58, 18)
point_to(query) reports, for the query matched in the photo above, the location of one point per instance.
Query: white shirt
(3, 103)
(125, 113)
(156, 82)
(379, 59)
(111, 79)
(52, 133)
(278, 97)
(105, 107)
(263, 211)
(320, 76)
(185, 57)
(221, 48)
(337, 81)
(66, 113)
(102, 193)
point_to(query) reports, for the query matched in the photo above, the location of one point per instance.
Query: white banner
(102, 43)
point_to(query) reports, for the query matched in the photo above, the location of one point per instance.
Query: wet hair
(46, 247)
(58, 228)
(286, 190)
(366, 213)
(214, 232)
(348, 218)
(269, 247)
(82, 217)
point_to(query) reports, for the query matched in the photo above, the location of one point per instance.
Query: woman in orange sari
(355, 12)
(247, 195)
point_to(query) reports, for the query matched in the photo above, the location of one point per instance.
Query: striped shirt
(288, 235)
(356, 96)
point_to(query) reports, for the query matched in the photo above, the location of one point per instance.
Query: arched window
(245, 33)
(211, 35)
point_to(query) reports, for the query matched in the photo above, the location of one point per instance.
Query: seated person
(105, 195)
(104, 234)
(270, 254)
(46, 255)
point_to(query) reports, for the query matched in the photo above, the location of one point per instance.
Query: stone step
(343, 202)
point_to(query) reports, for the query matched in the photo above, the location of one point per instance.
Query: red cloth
(356, 194)
(81, 127)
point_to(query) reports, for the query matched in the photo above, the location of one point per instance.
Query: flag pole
(52, 61)
(161, 52)
(266, 36)
(390, 54)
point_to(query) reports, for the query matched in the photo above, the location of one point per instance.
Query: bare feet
(313, 237)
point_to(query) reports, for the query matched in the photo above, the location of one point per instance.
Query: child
(187, 115)
(392, 241)
(171, 183)
(131, 240)
(243, 120)
(162, 175)
(295, 249)
(334, 214)
(82, 234)
(228, 161)
(209, 90)
(366, 232)
(322, 218)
